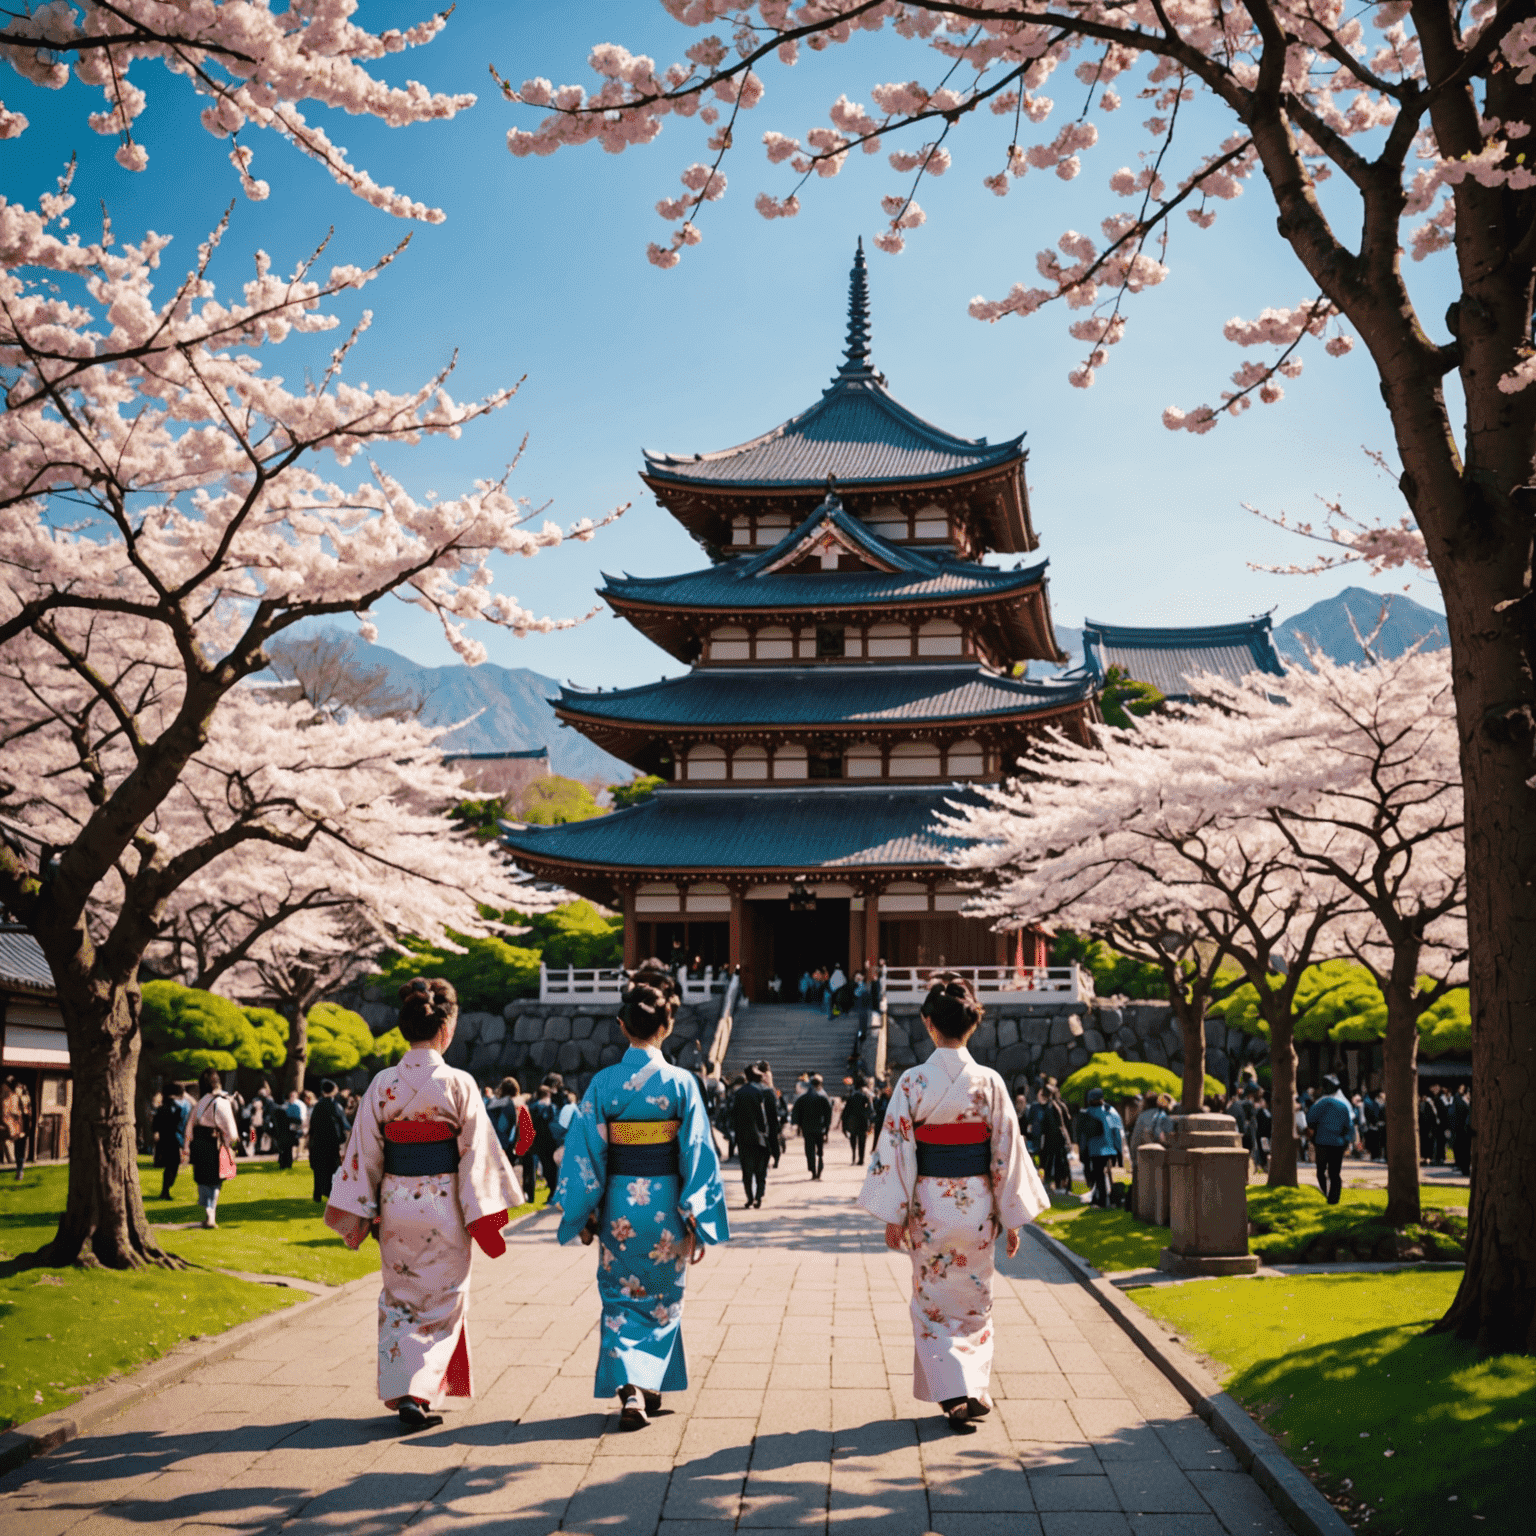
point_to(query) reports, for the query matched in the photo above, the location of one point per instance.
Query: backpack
(544, 1123)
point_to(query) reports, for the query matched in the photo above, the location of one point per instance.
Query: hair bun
(426, 1005)
(646, 1010)
(952, 1005)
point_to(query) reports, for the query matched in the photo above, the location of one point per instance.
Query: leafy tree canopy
(577, 934)
(1113, 973)
(1126, 1080)
(339, 1039)
(553, 801)
(479, 816)
(626, 795)
(1124, 697)
(186, 1031)
(488, 974)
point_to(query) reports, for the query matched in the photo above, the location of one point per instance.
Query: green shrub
(578, 934)
(1126, 1080)
(187, 1031)
(338, 1039)
(487, 975)
(552, 801)
(637, 790)
(389, 1047)
(1124, 696)
(1113, 973)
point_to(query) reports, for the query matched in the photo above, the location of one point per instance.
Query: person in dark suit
(858, 1112)
(812, 1116)
(755, 1121)
(328, 1132)
(170, 1128)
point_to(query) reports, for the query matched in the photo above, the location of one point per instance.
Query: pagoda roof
(879, 693)
(793, 828)
(22, 963)
(858, 434)
(1169, 658)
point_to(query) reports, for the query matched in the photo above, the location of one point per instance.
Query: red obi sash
(405, 1131)
(960, 1134)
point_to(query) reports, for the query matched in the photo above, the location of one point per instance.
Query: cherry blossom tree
(1403, 127)
(163, 515)
(1357, 768)
(255, 66)
(1139, 841)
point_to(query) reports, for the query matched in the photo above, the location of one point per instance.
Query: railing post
(543, 982)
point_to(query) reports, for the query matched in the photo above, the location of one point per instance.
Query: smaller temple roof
(795, 829)
(881, 693)
(21, 960)
(857, 433)
(1169, 658)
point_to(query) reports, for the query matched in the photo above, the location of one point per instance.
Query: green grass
(1292, 1226)
(62, 1329)
(1380, 1413)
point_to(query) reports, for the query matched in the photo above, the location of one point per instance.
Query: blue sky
(540, 271)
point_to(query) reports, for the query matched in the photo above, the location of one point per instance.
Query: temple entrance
(698, 945)
(789, 941)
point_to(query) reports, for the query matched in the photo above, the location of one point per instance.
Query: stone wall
(1021, 1040)
(528, 1038)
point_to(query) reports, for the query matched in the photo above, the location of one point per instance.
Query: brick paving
(800, 1416)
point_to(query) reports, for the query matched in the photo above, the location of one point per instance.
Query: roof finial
(856, 354)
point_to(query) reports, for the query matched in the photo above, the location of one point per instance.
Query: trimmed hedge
(1126, 1080)
(187, 1031)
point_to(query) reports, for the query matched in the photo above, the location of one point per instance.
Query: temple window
(889, 523)
(775, 643)
(915, 760)
(967, 759)
(771, 527)
(931, 523)
(730, 642)
(750, 763)
(706, 761)
(741, 530)
(862, 760)
(830, 642)
(890, 640)
(825, 765)
(940, 637)
(789, 762)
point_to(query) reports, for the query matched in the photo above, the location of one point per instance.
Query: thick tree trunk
(1192, 1028)
(104, 1220)
(297, 1063)
(1282, 1103)
(1496, 1303)
(1400, 1073)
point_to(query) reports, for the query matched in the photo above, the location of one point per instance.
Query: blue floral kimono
(643, 1260)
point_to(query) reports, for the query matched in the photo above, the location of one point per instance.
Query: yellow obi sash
(642, 1133)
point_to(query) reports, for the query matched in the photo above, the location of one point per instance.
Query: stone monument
(1207, 1172)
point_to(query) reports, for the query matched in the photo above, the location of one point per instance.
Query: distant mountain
(513, 706)
(1327, 625)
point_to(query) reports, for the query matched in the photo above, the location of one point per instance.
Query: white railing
(1003, 983)
(596, 985)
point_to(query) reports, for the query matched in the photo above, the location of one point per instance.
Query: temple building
(852, 668)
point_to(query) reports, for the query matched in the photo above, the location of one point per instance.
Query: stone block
(1035, 1029)
(513, 1057)
(569, 1059)
(984, 1038)
(510, 1012)
(529, 1028)
(591, 1052)
(1014, 1059)
(1207, 1194)
(1054, 1062)
(1124, 1041)
(1217, 1065)
(1152, 1050)
(380, 1016)
(1147, 1018)
(1077, 1057)
(469, 1027)
(543, 1054)
(1093, 1042)
(610, 1054)
(493, 1028)
(1151, 1184)
(1007, 1033)
(457, 1054)
(558, 1027)
(1216, 1034)
(1109, 1021)
(484, 1057)
(1065, 1029)
(1172, 1039)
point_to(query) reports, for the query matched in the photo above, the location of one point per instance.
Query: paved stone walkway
(800, 1415)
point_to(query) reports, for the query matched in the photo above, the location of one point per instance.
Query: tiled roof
(679, 829)
(21, 960)
(857, 432)
(748, 581)
(880, 693)
(1168, 658)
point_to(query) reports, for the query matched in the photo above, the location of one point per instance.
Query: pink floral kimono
(419, 1114)
(952, 1222)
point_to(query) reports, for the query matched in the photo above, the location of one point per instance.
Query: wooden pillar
(855, 940)
(631, 931)
(738, 917)
(871, 955)
(1039, 949)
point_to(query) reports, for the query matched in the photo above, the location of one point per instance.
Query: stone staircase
(793, 1039)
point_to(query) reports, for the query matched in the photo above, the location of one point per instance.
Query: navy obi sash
(642, 1149)
(415, 1148)
(959, 1151)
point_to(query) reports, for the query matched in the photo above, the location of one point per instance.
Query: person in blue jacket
(1331, 1123)
(1100, 1142)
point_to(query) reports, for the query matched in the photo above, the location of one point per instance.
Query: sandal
(631, 1409)
(958, 1411)
(414, 1416)
(980, 1407)
(652, 1401)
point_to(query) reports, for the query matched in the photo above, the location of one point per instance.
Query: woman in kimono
(949, 1174)
(424, 1171)
(640, 1176)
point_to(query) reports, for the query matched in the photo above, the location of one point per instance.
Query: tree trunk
(1496, 1303)
(1192, 1029)
(297, 1063)
(104, 1220)
(1282, 1103)
(1400, 1074)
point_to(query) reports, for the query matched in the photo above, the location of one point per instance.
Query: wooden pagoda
(851, 670)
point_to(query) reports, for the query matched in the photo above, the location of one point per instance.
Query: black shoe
(632, 1414)
(414, 1417)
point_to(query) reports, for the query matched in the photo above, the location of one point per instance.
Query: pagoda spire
(856, 363)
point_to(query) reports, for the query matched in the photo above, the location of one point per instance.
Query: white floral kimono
(952, 1223)
(424, 1221)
